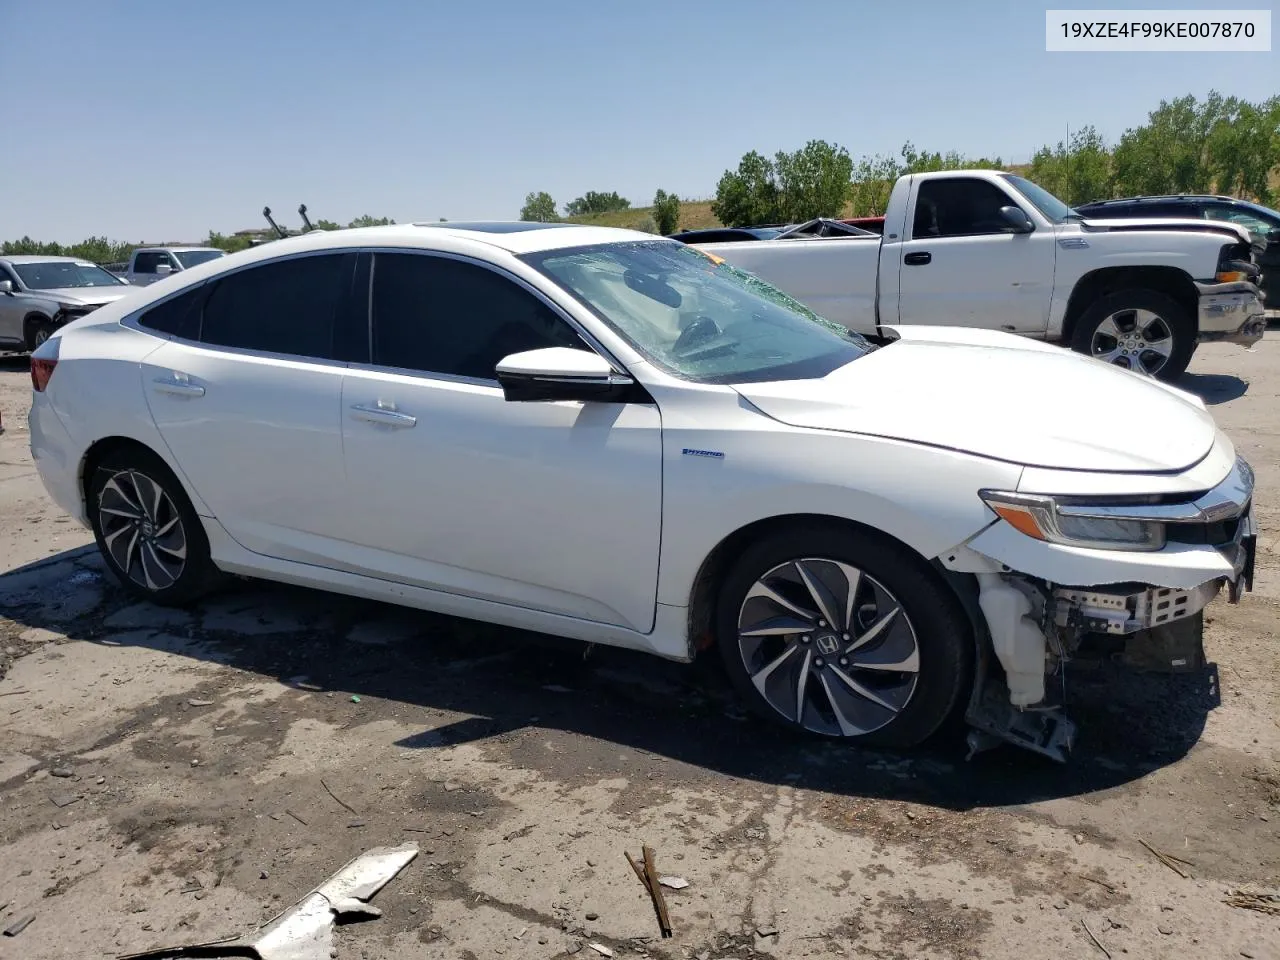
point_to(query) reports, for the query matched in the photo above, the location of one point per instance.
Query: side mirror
(164, 269)
(1015, 218)
(6, 287)
(562, 373)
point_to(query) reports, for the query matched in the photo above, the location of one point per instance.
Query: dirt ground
(171, 777)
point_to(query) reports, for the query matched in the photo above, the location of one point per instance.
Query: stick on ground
(349, 808)
(655, 891)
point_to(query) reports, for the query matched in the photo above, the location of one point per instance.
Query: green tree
(326, 225)
(645, 224)
(873, 180)
(813, 181)
(368, 221)
(539, 207)
(1169, 153)
(596, 202)
(1076, 171)
(749, 194)
(1243, 147)
(666, 212)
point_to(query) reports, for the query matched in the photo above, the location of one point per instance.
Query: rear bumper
(1231, 313)
(55, 456)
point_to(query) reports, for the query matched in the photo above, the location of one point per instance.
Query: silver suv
(40, 294)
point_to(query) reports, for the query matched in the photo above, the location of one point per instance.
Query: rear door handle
(383, 415)
(179, 385)
(917, 259)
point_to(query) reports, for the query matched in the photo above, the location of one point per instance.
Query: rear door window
(286, 306)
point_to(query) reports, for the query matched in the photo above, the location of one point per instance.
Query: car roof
(1163, 198)
(517, 237)
(18, 259)
(175, 249)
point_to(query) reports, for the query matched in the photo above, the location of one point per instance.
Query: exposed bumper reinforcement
(1231, 313)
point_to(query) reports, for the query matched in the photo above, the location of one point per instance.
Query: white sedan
(617, 438)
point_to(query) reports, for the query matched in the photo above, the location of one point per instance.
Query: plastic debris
(19, 925)
(674, 883)
(305, 930)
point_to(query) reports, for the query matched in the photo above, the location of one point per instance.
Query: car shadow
(503, 680)
(1214, 388)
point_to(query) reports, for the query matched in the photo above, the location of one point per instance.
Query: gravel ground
(171, 777)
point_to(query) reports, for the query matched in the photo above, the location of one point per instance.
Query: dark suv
(1261, 221)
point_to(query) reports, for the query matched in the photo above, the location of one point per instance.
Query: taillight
(43, 360)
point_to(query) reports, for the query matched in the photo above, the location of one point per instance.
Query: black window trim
(501, 271)
(1013, 202)
(133, 319)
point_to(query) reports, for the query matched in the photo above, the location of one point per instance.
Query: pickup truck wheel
(1141, 330)
(843, 635)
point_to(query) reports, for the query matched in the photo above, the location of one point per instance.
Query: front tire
(843, 634)
(1141, 330)
(38, 331)
(149, 535)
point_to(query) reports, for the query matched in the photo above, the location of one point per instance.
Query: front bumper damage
(1231, 313)
(1036, 623)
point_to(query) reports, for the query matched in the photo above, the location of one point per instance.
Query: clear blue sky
(162, 121)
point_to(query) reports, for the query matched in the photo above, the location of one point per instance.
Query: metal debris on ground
(648, 874)
(601, 949)
(19, 925)
(64, 799)
(305, 930)
(1263, 902)
(200, 703)
(1096, 942)
(1170, 861)
(296, 817)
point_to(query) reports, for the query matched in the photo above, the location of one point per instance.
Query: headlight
(1042, 518)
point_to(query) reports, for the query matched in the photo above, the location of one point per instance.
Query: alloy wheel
(828, 647)
(1139, 340)
(142, 530)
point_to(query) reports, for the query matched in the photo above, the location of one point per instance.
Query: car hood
(86, 296)
(996, 395)
(1124, 224)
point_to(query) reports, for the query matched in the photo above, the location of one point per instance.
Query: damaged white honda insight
(616, 438)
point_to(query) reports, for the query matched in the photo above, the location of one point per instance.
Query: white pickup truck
(984, 248)
(149, 264)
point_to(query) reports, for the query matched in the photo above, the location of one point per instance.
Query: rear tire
(151, 538)
(835, 677)
(1142, 330)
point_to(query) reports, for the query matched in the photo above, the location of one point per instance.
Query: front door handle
(179, 385)
(388, 416)
(917, 259)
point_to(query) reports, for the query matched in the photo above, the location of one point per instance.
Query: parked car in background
(1262, 222)
(149, 264)
(817, 228)
(874, 224)
(985, 248)
(617, 438)
(39, 294)
(723, 234)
